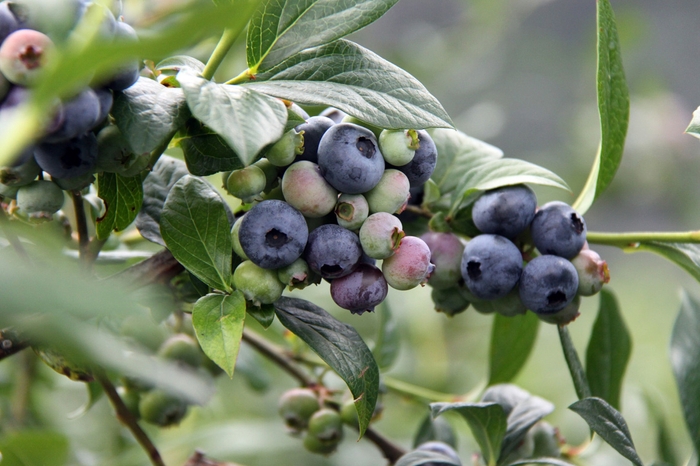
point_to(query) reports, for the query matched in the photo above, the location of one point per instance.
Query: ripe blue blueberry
(349, 158)
(548, 284)
(491, 266)
(421, 167)
(80, 114)
(361, 290)
(332, 251)
(273, 234)
(127, 74)
(68, 159)
(505, 211)
(8, 21)
(314, 128)
(559, 230)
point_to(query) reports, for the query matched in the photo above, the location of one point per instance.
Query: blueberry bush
(158, 228)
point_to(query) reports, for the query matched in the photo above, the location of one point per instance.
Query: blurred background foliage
(519, 74)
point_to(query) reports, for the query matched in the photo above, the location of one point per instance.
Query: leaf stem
(415, 391)
(127, 418)
(217, 56)
(81, 222)
(631, 239)
(245, 76)
(578, 374)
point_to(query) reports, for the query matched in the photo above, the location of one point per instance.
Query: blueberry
(271, 174)
(559, 230)
(258, 285)
(505, 211)
(334, 114)
(350, 159)
(547, 442)
(409, 266)
(68, 159)
(448, 300)
(273, 234)
(297, 275)
(286, 149)
(421, 167)
(509, 305)
(182, 348)
(307, 191)
(333, 251)
(390, 194)
(398, 146)
(80, 114)
(126, 75)
(40, 197)
(314, 128)
(114, 154)
(443, 449)
(8, 21)
(351, 211)
(75, 183)
(237, 248)
(106, 99)
(9, 192)
(23, 56)
(380, 235)
(491, 266)
(296, 406)
(161, 408)
(566, 315)
(22, 172)
(246, 183)
(548, 284)
(326, 426)
(446, 251)
(592, 272)
(361, 290)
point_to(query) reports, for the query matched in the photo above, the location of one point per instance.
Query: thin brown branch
(11, 343)
(129, 421)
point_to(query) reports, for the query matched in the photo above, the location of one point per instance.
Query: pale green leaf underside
(218, 323)
(357, 81)
(694, 127)
(247, 120)
(196, 230)
(281, 28)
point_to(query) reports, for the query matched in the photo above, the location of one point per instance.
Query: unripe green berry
(131, 399)
(271, 173)
(40, 197)
(296, 275)
(314, 445)
(380, 235)
(285, 150)
(261, 286)
(391, 194)
(547, 443)
(351, 211)
(138, 164)
(348, 413)
(183, 348)
(327, 426)
(114, 155)
(161, 408)
(296, 406)
(9, 192)
(246, 183)
(509, 305)
(306, 190)
(235, 240)
(565, 316)
(398, 146)
(448, 300)
(20, 175)
(409, 266)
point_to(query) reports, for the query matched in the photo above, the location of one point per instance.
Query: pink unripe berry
(410, 266)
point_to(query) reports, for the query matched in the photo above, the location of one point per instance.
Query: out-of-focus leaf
(512, 340)
(386, 349)
(551, 461)
(686, 255)
(487, 422)
(122, 197)
(491, 174)
(281, 28)
(195, 227)
(524, 415)
(156, 186)
(205, 151)
(218, 322)
(685, 361)
(148, 114)
(95, 392)
(608, 351)
(264, 314)
(247, 120)
(607, 422)
(340, 346)
(665, 441)
(613, 108)
(420, 457)
(35, 448)
(355, 80)
(578, 373)
(173, 65)
(251, 366)
(438, 429)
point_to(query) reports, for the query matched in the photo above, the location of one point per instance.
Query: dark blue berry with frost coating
(505, 211)
(548, 284)
(349, 158)
(424, 160)
(68, 159)
(332, 251)
(314, 128)
(128, 74)
(273, 234)
(361, 290)
(80, 114)
(559, 230)
(491, 266)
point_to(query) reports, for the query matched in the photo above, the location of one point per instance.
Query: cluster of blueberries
(78, 140)
(488, 271)
(332, 214)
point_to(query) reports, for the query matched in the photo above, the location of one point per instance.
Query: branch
(127, 418)
(631, 239)
(81, 222)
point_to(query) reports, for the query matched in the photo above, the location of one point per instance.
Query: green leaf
(148, 114)
(281, 28)
(205, 151)
(607, 422)
(340, 346)
(613, 108)
(34, 448)
(438, 429)
(264, 314)
(490, 174)
(512, 340)
(423, 457)
(685, 361)
(173, 65)
(525, 414)
(388, 344)
(551, 461)
(251, 366)
(122, 197)
(694, 127)
(608, 351)
(686, 255)
(487, 422)
(156, 186)
(457, 154)
(95, 392)
(218, 322)
(665, 440)
(247, 120)
(578, 374)
(359, 82)
(195, 228)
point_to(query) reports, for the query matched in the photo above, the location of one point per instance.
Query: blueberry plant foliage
(90, 107)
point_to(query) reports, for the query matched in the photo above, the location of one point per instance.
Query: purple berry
(360, 290)
(446, 251)
(314, 128)
(409, 266)
(491, 266)
(505, 211)
(333, 251)
(68, 159)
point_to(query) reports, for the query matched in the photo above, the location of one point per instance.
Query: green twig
(422, 393)
(217, 56)
(127, 418)
(632, 239)
(578, 374)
